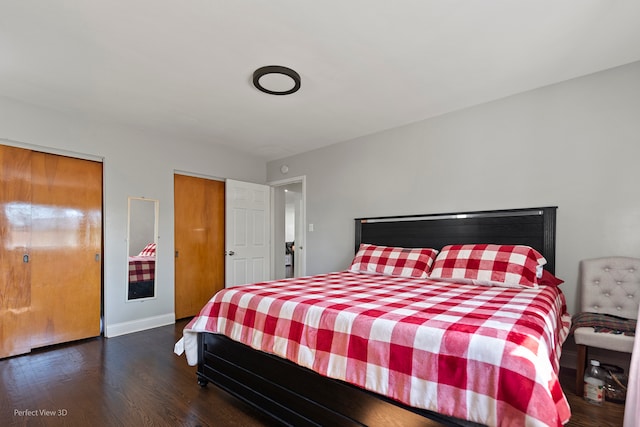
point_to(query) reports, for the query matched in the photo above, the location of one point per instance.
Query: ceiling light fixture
(276, 80)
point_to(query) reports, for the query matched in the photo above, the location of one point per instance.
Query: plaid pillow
(393, 261)
(149, 250)
(493, 265)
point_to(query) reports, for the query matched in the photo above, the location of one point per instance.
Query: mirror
(141, 248)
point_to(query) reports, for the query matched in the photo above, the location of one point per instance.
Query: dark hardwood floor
(131, 380)
(136, 380)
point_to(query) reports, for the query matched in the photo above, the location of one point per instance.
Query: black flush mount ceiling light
(276, 80)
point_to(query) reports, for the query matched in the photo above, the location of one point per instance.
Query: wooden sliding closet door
(51, 245)
(199, 242)
(15, 238)
(65, 249)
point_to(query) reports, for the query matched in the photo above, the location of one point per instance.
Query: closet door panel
(15, 224)
(199, 242)
(65, 249)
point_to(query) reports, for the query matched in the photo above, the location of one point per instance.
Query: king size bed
(407, 334)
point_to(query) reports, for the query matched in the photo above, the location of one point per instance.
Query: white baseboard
(111, 331)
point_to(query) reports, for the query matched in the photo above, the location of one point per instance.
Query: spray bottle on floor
(594, 383)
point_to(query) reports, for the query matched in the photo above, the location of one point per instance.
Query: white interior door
(247, 233)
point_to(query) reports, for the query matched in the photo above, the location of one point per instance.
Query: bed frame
(297, 396)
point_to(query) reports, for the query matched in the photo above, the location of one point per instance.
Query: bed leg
(202, 382)
(580, 367)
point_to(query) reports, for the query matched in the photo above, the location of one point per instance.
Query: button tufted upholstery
(609, 285)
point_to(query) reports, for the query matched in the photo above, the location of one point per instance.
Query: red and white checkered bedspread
(485, 354)
(141, 268)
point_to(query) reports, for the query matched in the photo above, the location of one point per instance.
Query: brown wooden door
(15, 238)
(51, 237)
(199, 242)
(65, 249)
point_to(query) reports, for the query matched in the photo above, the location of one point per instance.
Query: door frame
(301, 247)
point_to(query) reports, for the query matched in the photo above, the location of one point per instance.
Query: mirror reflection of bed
(142, 270)
(141, 248)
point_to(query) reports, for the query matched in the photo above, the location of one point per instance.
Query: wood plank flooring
(136, 380)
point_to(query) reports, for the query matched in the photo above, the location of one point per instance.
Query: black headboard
(535, 227)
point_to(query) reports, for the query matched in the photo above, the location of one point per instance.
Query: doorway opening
(288, 228)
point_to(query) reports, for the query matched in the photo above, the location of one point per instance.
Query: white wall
(290, 218)
(135, 164)
(575, 145)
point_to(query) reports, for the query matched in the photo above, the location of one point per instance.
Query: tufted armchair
(609, 286)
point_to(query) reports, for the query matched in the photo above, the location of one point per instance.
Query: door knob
(231, 253)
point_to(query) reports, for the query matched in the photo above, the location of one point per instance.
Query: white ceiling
(183, 67)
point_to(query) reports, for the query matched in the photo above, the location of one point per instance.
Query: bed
(407, 382)
(142, 271)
